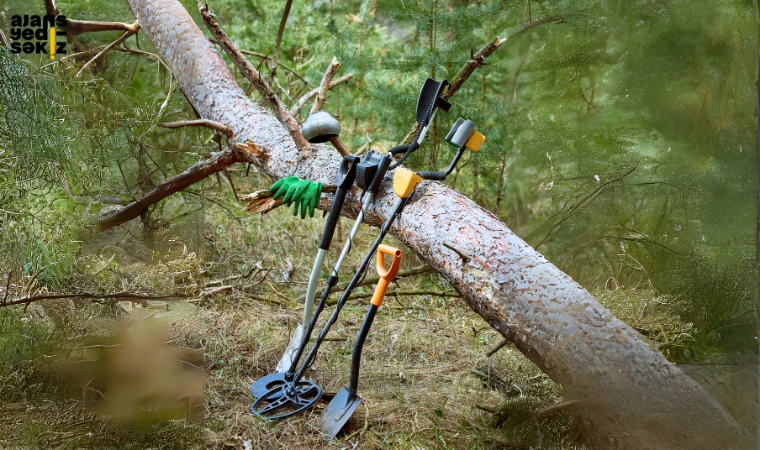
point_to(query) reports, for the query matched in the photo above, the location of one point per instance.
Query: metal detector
(369, 174)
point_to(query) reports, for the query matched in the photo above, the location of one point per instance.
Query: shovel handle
(386, 275)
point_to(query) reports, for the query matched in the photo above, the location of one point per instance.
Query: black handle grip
(356, 355)
(438, 176)
(382, 168)
(346, 177)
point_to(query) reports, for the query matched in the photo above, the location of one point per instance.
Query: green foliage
(620, 135)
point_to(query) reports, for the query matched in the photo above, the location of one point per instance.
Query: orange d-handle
(386, 276)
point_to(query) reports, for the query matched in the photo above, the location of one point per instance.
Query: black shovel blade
(338, 411)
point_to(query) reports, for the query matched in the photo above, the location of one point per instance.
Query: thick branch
(296, 109)
(74, 28)
(261, 85)
(192, 175)
(325, 84)
(221, 128)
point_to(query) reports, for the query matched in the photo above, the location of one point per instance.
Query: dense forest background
(620, 144)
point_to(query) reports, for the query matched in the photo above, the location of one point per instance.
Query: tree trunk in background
(630, 395)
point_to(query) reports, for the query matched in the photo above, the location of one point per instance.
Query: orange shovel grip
(386, 276)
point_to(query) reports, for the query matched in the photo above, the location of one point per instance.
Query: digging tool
(345, 402)
(345, 178)
(320, 127)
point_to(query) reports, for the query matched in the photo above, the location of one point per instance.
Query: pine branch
(478, 59)
(280, 31)
(324, 85)
(261, 85)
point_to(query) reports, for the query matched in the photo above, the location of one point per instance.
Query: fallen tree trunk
(632, 397)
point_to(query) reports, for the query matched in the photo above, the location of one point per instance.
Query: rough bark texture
(632, 396)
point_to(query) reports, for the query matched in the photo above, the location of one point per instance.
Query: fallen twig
(501, 345)
(121, 296)
(211, 292)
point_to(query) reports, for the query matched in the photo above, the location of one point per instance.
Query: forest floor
(426, 380)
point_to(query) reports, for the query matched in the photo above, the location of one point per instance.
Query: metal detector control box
(371, 171)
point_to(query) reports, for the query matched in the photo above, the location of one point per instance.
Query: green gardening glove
(309, 199)
(304, 193)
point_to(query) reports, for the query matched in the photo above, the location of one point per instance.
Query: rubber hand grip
(386, 275)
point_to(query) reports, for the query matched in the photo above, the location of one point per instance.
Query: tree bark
(632, 396)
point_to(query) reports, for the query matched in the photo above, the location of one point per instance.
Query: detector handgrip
(386, 275)
(346, 177)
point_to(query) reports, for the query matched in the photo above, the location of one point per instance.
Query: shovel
(345, 402)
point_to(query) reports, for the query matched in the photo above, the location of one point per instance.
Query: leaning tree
(626, 394)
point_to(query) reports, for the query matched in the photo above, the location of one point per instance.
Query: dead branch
(276, 291)
(190, 176)
(50, 8)
(221, 128)
(501, 345)
(465, 258)
(556, 407)
(280, 31)
(340, 287)
(211, 292)
(122, 38)
(261, 85)
(263, 201)
(74, 28)
(324, 85)
(296, 109)
(120, 296)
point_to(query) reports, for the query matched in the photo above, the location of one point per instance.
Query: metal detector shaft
(331, 282)
(354, 281)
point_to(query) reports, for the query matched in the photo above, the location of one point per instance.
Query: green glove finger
(282, 186)
(299, 191)
(304, 206)
(311, 197)
(295, 207)
(289, 195)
